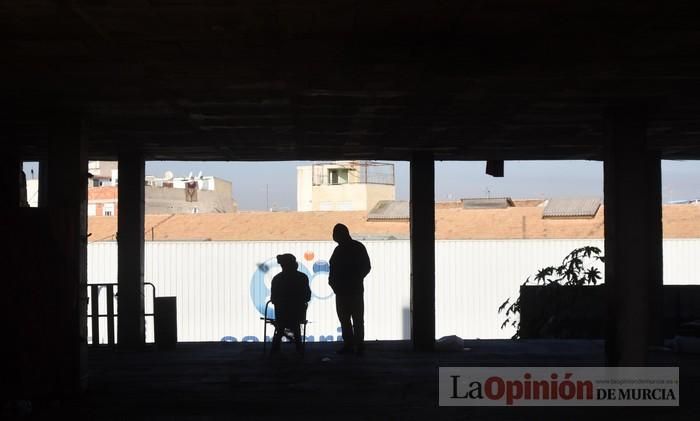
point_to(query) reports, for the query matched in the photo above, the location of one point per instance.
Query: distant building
(103, 201)
(344, 185)
(103, 173)
(200, 194)
(677, 202)
(163, 195)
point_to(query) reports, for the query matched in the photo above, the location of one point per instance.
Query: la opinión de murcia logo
(497, 388)
(577, 386)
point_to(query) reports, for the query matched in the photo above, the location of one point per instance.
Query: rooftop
(389, 210)
(572, 207)
(523, 221)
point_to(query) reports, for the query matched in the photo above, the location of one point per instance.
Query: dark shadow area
(234, 381)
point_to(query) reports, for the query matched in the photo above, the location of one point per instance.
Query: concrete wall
(304, 194)
(170, 200)
(33, 192)
(340, 197)
(578, 313)
(377, 192)
(352, 195)
(103, 168)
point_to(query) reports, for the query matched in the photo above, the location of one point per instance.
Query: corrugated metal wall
(473, 278)
(221, 287)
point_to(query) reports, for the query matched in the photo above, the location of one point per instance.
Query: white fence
(221, 287)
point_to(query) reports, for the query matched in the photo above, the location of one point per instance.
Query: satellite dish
(168, 175)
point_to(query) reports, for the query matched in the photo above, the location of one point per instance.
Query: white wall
(33, 192)
(338, 197)
(215, 282)
(304, 182)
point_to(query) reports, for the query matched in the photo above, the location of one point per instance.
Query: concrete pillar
(633, 240)
(131, 329)
(66, 172)
(11, 167)
(11, 350)
(422, 211)
(43, 199)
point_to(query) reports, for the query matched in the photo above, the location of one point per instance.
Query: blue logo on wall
(259, 289)
(319, 281)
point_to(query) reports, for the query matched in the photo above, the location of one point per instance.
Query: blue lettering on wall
(252, 338)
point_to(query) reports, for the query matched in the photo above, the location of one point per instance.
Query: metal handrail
(110, 314)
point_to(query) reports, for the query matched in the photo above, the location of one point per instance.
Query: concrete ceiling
(314, 79)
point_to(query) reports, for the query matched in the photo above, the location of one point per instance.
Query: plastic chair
(287, 334)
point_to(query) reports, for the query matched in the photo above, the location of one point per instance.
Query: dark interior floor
(203, 381)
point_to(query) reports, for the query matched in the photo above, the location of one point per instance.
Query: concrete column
(11, 230)
(633, 240)
(11, 167)
(66, 298)
(422, 211)
(43, 199)
(131, 329)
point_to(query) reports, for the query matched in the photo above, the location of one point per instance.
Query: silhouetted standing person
(349, 265)
(290, 293)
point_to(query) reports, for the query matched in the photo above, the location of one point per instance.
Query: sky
(272, 185)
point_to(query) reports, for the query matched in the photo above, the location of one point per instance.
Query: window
(338, 176)
(29, 191)
(108, 209)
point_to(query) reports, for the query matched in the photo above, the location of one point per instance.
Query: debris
(449, 343)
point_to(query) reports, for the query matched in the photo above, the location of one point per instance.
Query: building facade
(201, 194)
(103, 173)
(344, 185)
(163, 195)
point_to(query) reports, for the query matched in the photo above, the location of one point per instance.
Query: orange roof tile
(680, 221)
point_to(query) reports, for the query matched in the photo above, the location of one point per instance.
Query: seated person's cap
(286, 259)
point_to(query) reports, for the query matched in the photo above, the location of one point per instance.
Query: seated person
(290, 293)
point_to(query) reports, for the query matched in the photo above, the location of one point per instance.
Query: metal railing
(94, 315)
(352, 172)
